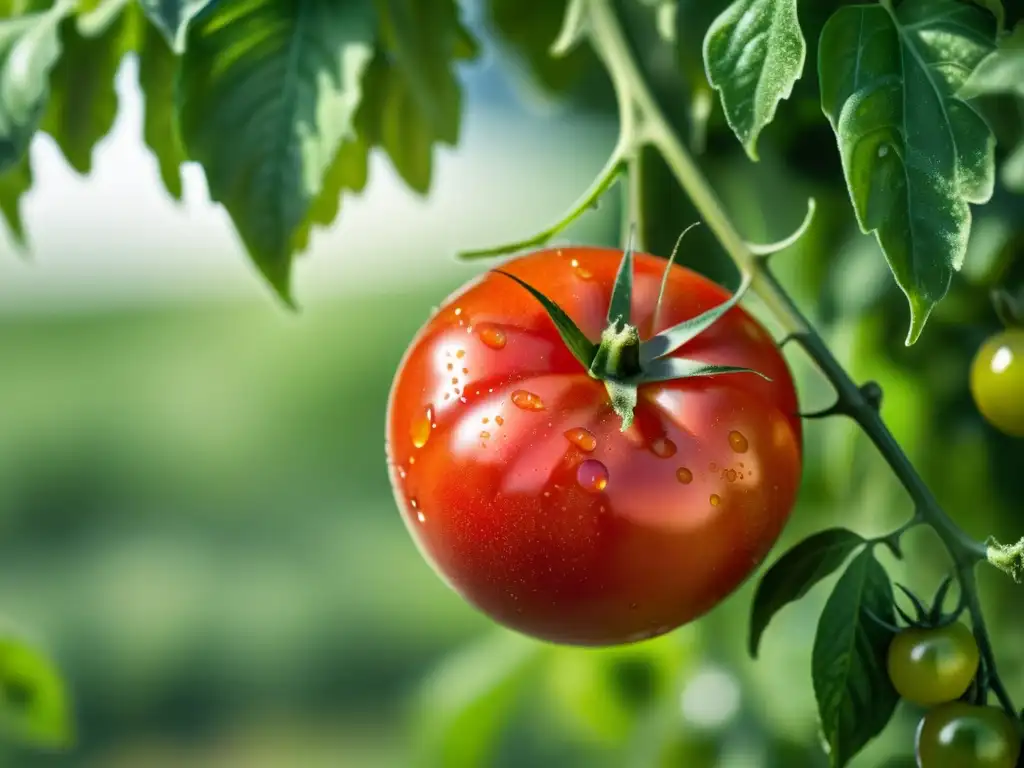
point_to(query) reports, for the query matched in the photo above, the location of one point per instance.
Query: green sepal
(582, 348)
(673, 368)
(623, 399)
(620, 308)
(667, 272)
(668, 341)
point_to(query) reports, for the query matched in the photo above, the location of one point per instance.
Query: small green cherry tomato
(933, 666)
(959, 735)
(997, 381)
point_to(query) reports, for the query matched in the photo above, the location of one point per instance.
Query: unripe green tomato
(959, 735)
(997, 381)
(933, 666)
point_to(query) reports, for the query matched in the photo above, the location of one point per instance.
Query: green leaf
(423, 37)
(620, 307)
(34, 706)
(172, 18)
(671, 339)
(15, 182)
(29, 48)
(267, 93)
(995, 7)
(95, 16)
(83, 102)
(405, 132)
(795, 573)
(582, 348)
(1001, 71)
(856, 700)
(349, 171)
(754, 53)
(465, 704)
(914, 154)
(158, 70)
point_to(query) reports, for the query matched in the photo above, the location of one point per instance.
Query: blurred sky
(116, 236)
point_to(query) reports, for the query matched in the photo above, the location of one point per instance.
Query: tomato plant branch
(648, 125)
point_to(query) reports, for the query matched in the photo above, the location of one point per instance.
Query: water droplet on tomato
(420, 429)
(484, 420)
(663, 448)
(715, 499)
(465, 370)
(413, 503)
(592, 476)
(460, 353)
(451, 367)
(738, 442)
(402, 473)
(581, 272)
(485, 435)
(527, 401)
(730, 475)
(492, 336)
(455, 379)
(499, 420)
(582, 439)
(713, 467)
(421, 517)
(684, 476)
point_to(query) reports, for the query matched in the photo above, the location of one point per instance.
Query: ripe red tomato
(515, 479)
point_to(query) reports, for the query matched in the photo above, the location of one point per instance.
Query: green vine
(642, 125)
(651, 127)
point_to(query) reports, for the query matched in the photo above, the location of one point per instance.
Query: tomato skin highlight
(598, 537)
(934, 665)
(997, 381)
(959, 735)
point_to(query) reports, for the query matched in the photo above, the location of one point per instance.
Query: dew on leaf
(527, 401)
(663, 448)
(738, 442)
(592, 476)
(582, 439)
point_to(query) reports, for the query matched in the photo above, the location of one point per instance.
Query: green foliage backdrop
(903, 120)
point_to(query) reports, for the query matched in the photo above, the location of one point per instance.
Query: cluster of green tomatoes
(936, 668)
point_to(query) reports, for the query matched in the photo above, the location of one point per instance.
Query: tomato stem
(648, 125)
(618, 354)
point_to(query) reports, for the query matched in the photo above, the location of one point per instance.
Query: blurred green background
(195, 516)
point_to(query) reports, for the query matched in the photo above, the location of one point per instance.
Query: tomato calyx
(621, 359)
(933, 617)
